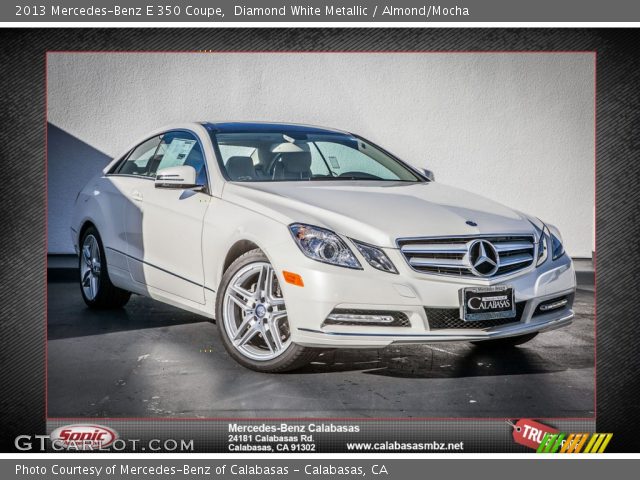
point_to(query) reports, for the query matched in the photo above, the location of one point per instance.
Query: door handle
(136, 195)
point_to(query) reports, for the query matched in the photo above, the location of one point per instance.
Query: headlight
(543, 246)
(557, 249)
(323, 245)
(546, 238)
(375, 257)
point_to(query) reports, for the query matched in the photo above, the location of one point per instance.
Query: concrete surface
(152, 360)
(517, 128)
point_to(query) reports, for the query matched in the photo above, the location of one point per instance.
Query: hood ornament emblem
(483, 257)
(471, 223)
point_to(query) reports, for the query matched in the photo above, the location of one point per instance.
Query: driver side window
(177, 149)
(171, 149)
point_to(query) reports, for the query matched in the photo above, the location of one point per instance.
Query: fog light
(545, 307)
(384, 318)
(359, 318)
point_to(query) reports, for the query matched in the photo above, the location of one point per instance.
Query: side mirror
(429, 174)
(181, 177)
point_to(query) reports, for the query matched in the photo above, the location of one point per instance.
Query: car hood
(379, 212)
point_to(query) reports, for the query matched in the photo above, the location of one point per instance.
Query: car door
(164, 225)
(127, 177)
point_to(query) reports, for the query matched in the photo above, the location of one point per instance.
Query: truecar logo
(574, 442)
(545, 439)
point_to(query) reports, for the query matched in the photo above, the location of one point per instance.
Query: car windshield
(287, 156)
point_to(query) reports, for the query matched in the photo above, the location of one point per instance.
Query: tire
(506, 342)
(247, 316)
(97, 290)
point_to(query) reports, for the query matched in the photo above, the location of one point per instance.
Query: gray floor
(152, 360)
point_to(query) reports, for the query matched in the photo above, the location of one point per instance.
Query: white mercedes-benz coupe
(297, 239)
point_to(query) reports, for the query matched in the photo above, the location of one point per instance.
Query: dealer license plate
(487, 303)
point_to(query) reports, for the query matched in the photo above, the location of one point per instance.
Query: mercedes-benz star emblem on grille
(483, 257)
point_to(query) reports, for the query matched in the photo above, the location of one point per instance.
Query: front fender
(226, 224)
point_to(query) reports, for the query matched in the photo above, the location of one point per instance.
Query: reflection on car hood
(379, 212)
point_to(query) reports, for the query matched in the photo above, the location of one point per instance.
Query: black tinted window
(140, 159)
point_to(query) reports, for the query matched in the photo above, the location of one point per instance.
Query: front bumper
(366, 339)
(328, 287)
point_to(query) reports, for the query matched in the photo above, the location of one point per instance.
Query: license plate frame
(499, 293)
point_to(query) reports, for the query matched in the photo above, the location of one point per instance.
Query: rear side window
(140, 160)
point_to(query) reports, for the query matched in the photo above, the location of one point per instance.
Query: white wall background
(517, 128)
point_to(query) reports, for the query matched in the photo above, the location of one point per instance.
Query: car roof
(265, 127)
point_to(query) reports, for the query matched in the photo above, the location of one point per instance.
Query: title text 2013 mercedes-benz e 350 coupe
(297, 238)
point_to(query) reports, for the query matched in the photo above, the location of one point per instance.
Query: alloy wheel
(90, 267)
(255, 316)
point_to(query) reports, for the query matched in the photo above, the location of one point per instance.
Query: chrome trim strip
(160, 268)
(511, 246)
(140, 177)
(468, 237)
(516, 259)
(354, 334)
(434, 248)
(439, 262)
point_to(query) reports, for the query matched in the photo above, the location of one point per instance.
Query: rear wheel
(97, 290)
(507, 342)
(252, 317)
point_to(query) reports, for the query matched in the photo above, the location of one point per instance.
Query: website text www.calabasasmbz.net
(396, 446)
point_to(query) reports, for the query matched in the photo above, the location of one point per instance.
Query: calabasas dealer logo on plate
(83, 436)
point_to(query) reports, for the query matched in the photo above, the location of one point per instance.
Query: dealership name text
(288, 428)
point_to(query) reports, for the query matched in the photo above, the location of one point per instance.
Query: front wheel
(252, 317)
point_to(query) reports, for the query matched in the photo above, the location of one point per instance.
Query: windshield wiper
(342, 178)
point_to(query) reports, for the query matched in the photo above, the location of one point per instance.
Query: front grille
(450, 256)
(442, 318)
(400, 319)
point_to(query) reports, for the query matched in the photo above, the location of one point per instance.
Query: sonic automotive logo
(93, 437)
(545, 439)
(83, 437)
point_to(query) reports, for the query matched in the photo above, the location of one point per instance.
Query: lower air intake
(449, 318)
